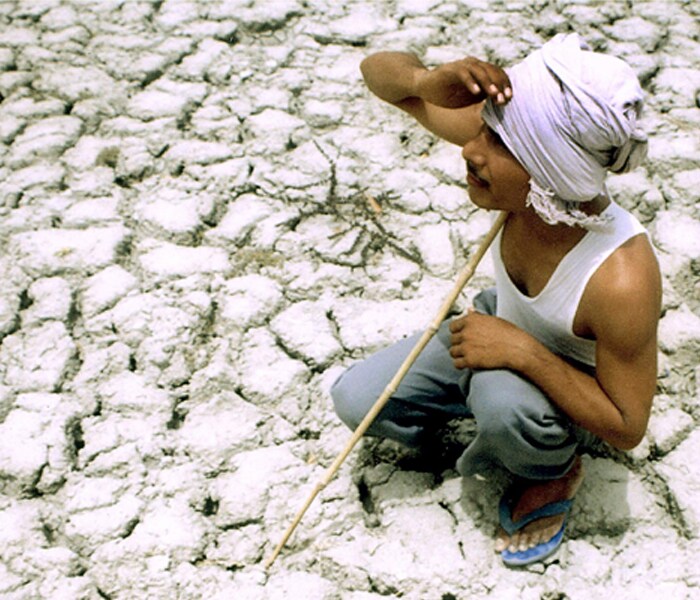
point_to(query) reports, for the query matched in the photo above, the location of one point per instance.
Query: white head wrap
(573, 117)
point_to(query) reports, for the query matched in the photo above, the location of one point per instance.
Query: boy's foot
(535, 495)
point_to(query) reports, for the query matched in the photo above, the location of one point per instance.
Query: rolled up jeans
(517, 426)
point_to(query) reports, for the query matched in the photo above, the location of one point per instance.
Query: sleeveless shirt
(549, 316)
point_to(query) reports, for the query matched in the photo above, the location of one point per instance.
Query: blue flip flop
(541, 551)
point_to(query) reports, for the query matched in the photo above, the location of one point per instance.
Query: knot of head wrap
(572, 118)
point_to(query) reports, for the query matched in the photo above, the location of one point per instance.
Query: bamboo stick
(464, 276)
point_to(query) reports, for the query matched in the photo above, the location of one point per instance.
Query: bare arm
(445, 100)
(622, 306)
(621, 309)
(615, 404)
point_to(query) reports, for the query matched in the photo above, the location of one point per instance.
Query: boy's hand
(480, 341)
(463, 83)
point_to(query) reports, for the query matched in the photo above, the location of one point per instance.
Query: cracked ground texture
(205, 217)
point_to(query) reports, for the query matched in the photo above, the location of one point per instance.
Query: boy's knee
(514, 414)
(344, 403)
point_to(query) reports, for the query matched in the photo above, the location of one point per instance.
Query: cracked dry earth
(205, 217)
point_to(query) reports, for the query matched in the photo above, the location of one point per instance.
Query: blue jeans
(517, 426)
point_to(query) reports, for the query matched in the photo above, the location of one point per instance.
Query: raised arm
(445, 100)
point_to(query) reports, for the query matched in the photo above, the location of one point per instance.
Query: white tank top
(549, 316)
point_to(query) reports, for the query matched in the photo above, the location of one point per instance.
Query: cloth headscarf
(572, 118)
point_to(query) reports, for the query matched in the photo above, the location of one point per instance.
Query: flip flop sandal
(542, 550)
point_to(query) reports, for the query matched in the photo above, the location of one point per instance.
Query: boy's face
(495, 177)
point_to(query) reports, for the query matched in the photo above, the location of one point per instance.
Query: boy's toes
(502, 541)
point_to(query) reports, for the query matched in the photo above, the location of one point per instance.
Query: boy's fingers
(496, 82)
(484, 80)
(470, 82)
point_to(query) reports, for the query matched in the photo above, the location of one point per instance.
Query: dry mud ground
(189, 258)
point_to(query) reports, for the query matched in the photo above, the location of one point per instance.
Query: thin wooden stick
(462, 280)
